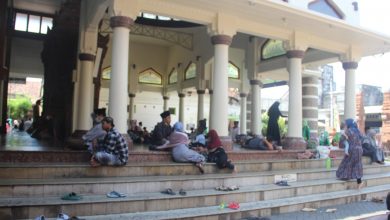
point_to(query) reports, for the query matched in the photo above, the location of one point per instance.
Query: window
(233, 71)
(173, 76)
(150, 76)
(326, 7)
(190, 72)
(32, 23)
(106, 73)
(272, 48)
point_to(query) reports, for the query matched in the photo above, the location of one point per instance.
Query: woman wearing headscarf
(351, 166)
(273, 132)
(370, 148)
(178, 141)
(216, 152)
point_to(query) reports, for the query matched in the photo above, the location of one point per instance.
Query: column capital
(181, 95)
(295, 54)
(210, 91)
(165, 97)
(86, 57)
(121, 21)
(131, 95)
(243, 95)
(256, 82)
(200, 91)
(221, 39)
(350, 65)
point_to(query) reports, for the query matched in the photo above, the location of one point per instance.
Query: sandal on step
(115, 194)
(168, 191)
(234, 205)
(182, 192)
(71, 196)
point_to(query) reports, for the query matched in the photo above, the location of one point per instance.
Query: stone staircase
(32, 189)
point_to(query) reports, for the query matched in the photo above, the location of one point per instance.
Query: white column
(85, 99)
(181, 107)
(211, 118)
(166, 98)
(350, 98)
(131, 106)
(219, 105)
(243, 113)
(294, 67)
(256, 107)
(118, 99)
(200, 104)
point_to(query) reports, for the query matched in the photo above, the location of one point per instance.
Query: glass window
(150, 76)
(21, 22)
(190, 71)
(46, 23)
(173, 77)
(106, 74)
(150, 16)
(234, 71)
(272, 48)
(34, 23)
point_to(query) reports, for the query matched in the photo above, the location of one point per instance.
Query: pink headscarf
(177, 138)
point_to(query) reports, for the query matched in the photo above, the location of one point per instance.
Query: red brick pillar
(360, 114)
(385, 131)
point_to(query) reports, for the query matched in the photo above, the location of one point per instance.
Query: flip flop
(168, 191)
(71, 196)
(115, 194)
(282, 183)
(62, 216)
(232, 188)
(234, 205)
(42, 217)
(76, 218)
(182, 192)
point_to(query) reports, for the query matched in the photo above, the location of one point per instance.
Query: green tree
(281, 123)
(18, 106)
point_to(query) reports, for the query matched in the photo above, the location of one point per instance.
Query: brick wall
(30, 89)
(385, 131)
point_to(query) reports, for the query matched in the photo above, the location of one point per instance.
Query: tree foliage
(18, 106)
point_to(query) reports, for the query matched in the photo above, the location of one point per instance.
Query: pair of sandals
(169, 191)
(282, 183)
(72, 197)
(227, 188)
(115, 194)
(61, 216)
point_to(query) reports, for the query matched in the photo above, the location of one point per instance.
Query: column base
(227, 143)
(79, 133)
(294, 143)
(75, 142)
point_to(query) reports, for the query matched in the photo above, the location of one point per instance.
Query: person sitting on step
(178, 141)
(96, 133)
(113, 151)
(161, 131)
(216, 152)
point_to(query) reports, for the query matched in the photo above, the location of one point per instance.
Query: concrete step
(71, 157)
(45, 171)
(198, 203)
(130, 185)
(258, 208)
